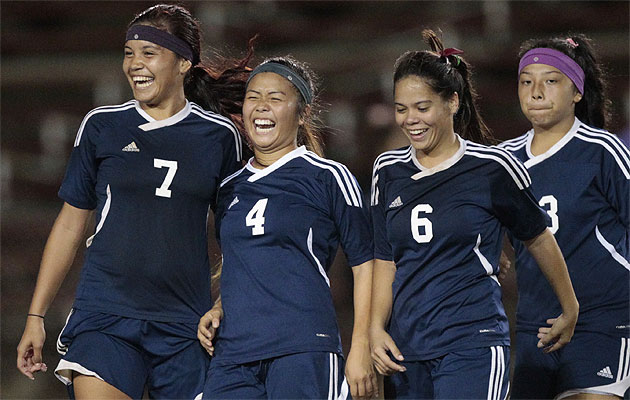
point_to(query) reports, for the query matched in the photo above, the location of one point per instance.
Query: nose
(538, 91)
(262, 105)
(411, 117)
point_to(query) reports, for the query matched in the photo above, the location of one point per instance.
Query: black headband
(162, 38)
(302, 86)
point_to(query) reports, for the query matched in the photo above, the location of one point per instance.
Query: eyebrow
(272, 92)
(544, 72)
(416, 103)
(147, 46)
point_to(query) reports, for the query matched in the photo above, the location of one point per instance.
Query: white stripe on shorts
(497, 371)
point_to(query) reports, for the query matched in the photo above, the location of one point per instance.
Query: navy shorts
(131, 355)
(481, 373)
(590, 363)
(310, 375)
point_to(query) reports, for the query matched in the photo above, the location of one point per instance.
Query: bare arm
(359, 369)
(65, 238)
(380, 341)
(547, 254)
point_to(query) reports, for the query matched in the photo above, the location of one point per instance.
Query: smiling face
(155, 74)
(422, 114)
(547, 97)
(271, 113)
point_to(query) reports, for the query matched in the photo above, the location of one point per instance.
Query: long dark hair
(594, 108)
(447, 75)
(217, 85)
(309, 133)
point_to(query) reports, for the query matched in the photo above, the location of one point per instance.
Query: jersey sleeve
(79, 182)
(382, 247)
(351, 217)
(513, 202)
(616, 180)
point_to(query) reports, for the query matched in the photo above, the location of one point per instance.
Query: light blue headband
(286, 72)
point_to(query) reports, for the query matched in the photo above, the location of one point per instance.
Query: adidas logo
(606, 373)
(396, 203)
(131, 147)
(233, 202)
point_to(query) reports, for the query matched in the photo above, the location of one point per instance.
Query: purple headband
(554, 58)
(162, 38)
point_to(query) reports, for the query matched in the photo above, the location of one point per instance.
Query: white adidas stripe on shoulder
(383, 160)
(99, 110)
(516, 170)
(514, 144)
(229, 178)
(348, 185)
(221, 120)
(610, 142)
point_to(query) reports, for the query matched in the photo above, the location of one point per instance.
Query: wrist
(34, 315)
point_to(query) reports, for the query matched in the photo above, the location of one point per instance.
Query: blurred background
(60, 59)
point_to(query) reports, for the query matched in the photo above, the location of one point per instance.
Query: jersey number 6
(418, 222)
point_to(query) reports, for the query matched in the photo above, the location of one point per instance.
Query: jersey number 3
(418, 222)
(164, 191)
(256, 217)
(552, 211)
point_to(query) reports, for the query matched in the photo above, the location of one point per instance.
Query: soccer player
(581, 175)
(439, 210)
(279, 222)
(148, 169)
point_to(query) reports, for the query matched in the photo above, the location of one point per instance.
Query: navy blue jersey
(583, 182)
(279, 230)
(443, 228)
(151, 183)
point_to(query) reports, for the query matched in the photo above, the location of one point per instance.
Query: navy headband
(162, 38)
(302, 86)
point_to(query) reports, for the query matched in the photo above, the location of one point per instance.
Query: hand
(381, 343)
(360, 372)
(559, 334)
(207, 328)
(29, 351)
(504, 266)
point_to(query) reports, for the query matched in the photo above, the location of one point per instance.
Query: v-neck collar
(260, 173)
(155, 124)
(533, 160)
(444, 165)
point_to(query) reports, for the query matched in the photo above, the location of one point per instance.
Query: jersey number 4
(256, 217)
(421, 227)
(164, 191)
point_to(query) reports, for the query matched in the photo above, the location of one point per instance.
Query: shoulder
(224, 123)
(608, 144)
(231, 179)
(516, 143)
(335, 174)
(392, 157)
(103, 116)
(500, 160)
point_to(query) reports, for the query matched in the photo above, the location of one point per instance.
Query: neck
(165, 109)
(263, 159)
(440, 153)
(546, 137)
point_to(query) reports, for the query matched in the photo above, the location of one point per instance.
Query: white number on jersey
(418, 222)
(163, 191)
(256, 217)
(553, 211)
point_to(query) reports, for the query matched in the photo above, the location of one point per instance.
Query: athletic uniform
(443, 228)
(146, 277)
(583, 182)
(279, 230)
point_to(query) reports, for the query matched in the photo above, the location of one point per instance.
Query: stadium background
(60, 59)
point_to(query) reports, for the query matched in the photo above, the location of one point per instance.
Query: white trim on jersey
(349, 184)
(104, 213)
(497, 372)
(624, 355)
(516, 170)
(611, 249)
(516, 143)
(65, 365)
(157, 124)
(383, 160)
(261, 173)
(221, 120)
(484, 261)
(444, 165)
(99, 110)
(229, 178)
(309, 244)
(611, 143)
(62, 348)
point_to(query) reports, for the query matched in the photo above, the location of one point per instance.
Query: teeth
(264, 125)
(142, 81)
(418, 131)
